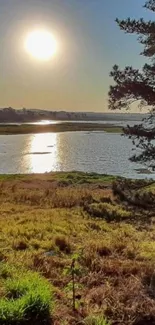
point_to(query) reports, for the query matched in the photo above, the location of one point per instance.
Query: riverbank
(60, 127)
(96, 229)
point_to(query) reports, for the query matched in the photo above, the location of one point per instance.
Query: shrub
(108, 211)
(28, 299)
(135, 192)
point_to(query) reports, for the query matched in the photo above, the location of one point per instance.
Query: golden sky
(90, 43)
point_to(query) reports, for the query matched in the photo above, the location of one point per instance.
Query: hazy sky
(90, 43)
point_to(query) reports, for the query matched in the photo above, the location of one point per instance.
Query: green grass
(27, 297)
(83, 178)
(48, 220)
(96, 320)
(73, 177)
(113, 129)
(60, 127)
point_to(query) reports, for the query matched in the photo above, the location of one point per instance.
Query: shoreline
(61, 127)
(84, 177)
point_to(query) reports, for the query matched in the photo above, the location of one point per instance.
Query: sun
(41, 44)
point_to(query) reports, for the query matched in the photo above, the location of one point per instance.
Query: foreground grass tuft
(27, 297)
(96, 320)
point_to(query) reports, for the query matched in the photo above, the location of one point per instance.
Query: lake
(83, 151)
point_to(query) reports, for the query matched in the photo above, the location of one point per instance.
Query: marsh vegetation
(102, 223)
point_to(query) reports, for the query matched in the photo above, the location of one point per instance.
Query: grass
(27, 297)
(60, 127)
(96, 320)
(113, 129)
(64, 178)
(47, 221)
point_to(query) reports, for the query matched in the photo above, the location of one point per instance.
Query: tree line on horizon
(11, 115)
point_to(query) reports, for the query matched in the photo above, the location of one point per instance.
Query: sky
(89, 44)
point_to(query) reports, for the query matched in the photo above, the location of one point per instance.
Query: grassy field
(76, 248)
(60, 127)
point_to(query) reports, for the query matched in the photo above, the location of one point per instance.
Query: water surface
(84, 151)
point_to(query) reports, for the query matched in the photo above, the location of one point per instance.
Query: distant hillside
(10, 115)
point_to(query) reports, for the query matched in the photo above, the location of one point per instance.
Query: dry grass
(43, 225)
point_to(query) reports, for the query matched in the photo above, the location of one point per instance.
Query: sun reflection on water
(43, 153)
(45, 122)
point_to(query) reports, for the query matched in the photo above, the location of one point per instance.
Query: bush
(27, 299)
(108, 211)
(135, 192)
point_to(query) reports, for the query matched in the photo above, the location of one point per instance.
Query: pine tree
(138, 85)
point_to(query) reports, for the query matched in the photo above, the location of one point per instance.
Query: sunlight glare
(41, 44)
(43, 153)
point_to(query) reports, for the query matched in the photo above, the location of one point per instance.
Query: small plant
(73, 280)
(73, 271)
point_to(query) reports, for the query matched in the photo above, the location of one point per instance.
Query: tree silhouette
(138, 85)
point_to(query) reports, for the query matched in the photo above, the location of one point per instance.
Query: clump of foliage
(136, 193)
(27, 297)
(138, 85)
(107, 211)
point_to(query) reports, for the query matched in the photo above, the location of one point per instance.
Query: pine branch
(136, 26)
(150, 5)
(132, 85)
